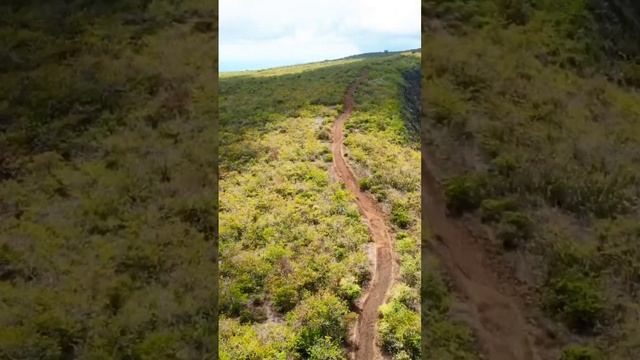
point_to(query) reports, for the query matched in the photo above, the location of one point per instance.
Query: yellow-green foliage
(293, 253)
(248, 341)
(106, 180)
(286, 233)
(399, 326)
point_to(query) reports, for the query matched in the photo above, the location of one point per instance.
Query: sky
(259, 34)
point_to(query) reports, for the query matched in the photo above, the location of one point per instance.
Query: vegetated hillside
(293, 245)
(533, 118)
(107, 179)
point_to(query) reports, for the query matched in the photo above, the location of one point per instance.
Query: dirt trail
(365, 331)
(495, 308)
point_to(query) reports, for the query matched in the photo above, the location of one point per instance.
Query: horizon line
(320, 61)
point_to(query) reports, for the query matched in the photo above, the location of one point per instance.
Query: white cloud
(395, 17)
(300, 47)
(290, 31)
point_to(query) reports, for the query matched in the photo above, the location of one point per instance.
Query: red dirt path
(364, 337)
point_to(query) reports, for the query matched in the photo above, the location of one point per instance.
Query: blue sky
(258, 34)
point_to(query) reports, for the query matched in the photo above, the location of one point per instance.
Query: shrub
(318, 317)
(365, 184)
(201, 216)
(577, 300)
(520, 220)
(285, 298)
(324, 134)
(380, 194)
(159, 344)
(252, 315)
(464, 193)
(579, 352)
(244, 342)
(400, 215)
(515, 11)
(410, 269)
(232, 300)
(448, 340)
(326, 349)
(569, 256)
(19, 343)
(514, 228)
(399, 329)
(446, 104)
(492, 209)
(349, 289)
(505, 164)
(405, 243)
(435, 297)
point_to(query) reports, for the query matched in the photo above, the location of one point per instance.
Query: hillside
(531, 126)
(294, 245)
(107, 180)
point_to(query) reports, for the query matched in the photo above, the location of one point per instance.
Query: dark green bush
(515, 11)
(577, 300)
(465, 193)
(285, 298)
(514, 228)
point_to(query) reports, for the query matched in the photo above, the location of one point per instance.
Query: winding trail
(495, 303)
(364, 335)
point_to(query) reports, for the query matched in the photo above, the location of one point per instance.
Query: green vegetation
(533, 106)
(464, 193)
(384, 149)
(443, 338)
(578, 299)
(292, 242)
(574, 293)
(577, 352)
(400, 215)
(288, 236)
(107, 180)
(399, 326)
